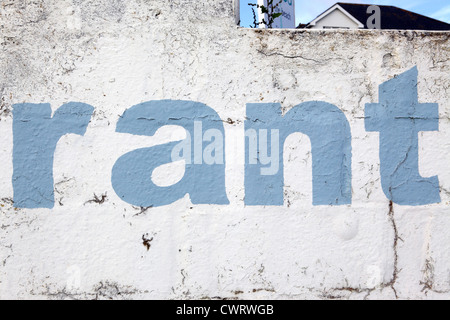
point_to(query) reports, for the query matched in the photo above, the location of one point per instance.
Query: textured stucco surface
(113, 54)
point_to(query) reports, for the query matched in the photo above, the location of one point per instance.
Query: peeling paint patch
(99, 200)
(147, 242)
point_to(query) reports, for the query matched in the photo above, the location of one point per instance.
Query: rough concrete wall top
(114, 54)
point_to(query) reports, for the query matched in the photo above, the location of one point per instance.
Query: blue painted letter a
(131, 175)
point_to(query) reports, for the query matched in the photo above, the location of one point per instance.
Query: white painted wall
(114, 54)
(335, 19)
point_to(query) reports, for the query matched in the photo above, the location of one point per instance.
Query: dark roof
(395, 18)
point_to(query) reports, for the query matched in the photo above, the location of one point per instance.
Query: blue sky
(307, 10)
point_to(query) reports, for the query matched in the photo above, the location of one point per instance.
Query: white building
(365, 16)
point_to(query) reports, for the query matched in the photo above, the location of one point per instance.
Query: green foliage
(269, 11)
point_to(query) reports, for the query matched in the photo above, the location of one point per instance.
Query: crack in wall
(98, 200)
(10, 255)
(291, 57)
(142, 210)
(428, 271)
(104, 290)
(350, 290)
(59, 189)
(391, 284)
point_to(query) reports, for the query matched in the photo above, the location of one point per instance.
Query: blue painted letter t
(399, 117)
